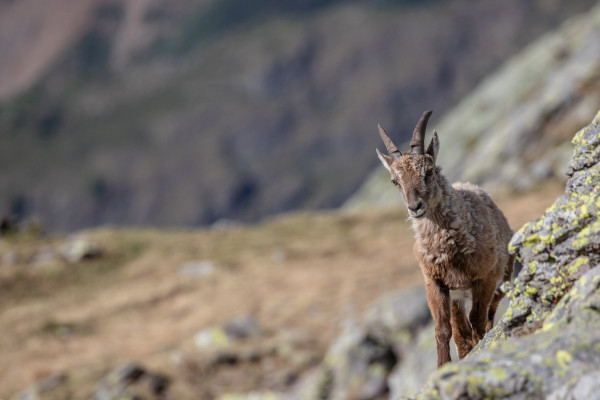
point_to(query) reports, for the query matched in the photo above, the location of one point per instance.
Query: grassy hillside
(148, 294)
(151, 115)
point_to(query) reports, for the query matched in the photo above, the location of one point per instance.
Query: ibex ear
(385, 160)
(434, 146)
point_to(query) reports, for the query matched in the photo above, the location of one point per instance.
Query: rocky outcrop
(547, 344)
(131, 382)
(360, 362)
(514, 128)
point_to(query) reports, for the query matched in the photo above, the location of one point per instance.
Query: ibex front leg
(482, 294)
(438, 297)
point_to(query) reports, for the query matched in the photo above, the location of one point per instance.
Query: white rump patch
(463, 296)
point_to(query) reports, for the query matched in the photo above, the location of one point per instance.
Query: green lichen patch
(558, 247)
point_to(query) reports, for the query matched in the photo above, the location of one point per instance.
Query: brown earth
(301, 275)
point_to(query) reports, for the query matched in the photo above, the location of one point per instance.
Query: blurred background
(183, 114)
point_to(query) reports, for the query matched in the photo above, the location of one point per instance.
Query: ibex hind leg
(499, 295)
(461, 329)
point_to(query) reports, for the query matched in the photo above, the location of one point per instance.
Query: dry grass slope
(300, 275)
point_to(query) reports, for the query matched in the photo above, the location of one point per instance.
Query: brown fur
(461, 244)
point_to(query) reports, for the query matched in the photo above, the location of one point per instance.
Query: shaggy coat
(461, 244)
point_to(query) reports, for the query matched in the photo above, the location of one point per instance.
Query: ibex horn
(417, 144)
(389, 145)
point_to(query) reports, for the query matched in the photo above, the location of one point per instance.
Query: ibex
(461, 242)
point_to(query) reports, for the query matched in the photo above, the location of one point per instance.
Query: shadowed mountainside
(184, 113)
(514, 129)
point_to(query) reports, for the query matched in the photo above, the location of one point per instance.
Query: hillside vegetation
(179, 113)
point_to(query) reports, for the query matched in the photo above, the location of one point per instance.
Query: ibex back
(461, 242)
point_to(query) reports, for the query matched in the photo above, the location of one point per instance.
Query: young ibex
(461, 242)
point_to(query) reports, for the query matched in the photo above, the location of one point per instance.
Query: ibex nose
(415, 207)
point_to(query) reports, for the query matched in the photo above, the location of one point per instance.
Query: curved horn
(417, 144)
(389, 145)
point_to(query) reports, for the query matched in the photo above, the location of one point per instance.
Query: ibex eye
(395, 182)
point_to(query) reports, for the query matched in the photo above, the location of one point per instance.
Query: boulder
(131, 381)
(358, 363)
(80, 248)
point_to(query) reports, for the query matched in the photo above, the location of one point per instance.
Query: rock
(157, 384)
(126, 373)
(8, 225)
(561, 245)
(225, 224)
(316, 384)
(547, 344)
(223, 357)
(242, 327)
(29, 394)
(79, 248)
(51, 382)
(255, 396)
(131, 381)
(211, 338)
(278, 256)
(418, 363)
(9, 259)
(398, 316)
(219, 338)
(40, 388)
(359, 361)
(44, 257)
(197, 268)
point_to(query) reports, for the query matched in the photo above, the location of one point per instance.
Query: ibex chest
(444, 260)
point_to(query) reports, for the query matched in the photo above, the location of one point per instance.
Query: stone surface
(358, 363)
(242, 327)
(561, 245)
(211, 338)
(131, 381)
(418, 363)
(80, 248)
(42, 388)
(197, 268)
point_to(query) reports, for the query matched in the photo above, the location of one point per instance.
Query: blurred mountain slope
(514, 129)
(148, 114)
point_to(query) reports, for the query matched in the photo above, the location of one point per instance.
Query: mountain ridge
(264, 119)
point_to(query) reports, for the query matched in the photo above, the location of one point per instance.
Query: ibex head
(415, 173)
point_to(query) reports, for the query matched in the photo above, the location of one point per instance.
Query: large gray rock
(358, 363)
(418, 363)
(561, 245)
(131, 381)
